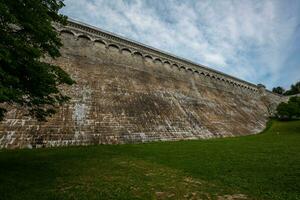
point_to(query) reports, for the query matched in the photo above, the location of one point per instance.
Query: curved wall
(128, 92)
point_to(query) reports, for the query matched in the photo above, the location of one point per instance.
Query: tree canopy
(295, 89)
(27, 37)
(278, 90)
(289, 110)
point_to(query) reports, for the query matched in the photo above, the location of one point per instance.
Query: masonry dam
(127, 92)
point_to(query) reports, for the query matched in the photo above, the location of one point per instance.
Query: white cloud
(216, 59)
(243, 38)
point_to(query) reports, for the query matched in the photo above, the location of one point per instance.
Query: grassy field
(263, 166)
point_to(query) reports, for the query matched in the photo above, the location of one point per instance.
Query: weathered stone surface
(127, 92)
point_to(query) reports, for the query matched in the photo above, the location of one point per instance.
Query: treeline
(289, 110)
(295, 89)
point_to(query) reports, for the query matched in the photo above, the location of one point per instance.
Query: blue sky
(258, 41)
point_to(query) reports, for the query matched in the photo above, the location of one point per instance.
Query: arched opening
(137, 56)
(84, 37)
(126, 51)
(190, 70)
(148, 58)
(66, 32)
(175, 65)
(100, 42)
(113, 46)
(99, 48)
(136, 53)
(158, 60)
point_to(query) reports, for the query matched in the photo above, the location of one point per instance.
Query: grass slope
(263, 166)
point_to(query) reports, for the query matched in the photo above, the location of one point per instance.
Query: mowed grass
(263, 166)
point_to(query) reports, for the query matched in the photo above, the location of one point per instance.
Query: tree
(295, 89)
(289, 110)
(27, 37)
(278, 90)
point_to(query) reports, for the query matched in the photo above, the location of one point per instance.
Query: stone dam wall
(127, 92)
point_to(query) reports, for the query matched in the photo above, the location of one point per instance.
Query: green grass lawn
(263, 166)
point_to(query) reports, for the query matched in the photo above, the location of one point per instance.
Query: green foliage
(278, 90)
(27, 38)
(295, 89)
(263, 166)
(289, 110)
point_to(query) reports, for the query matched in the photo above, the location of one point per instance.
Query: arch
(126, 50)
(167, 62)
(202, 73)
(175, 65)
(189, 69)
(158, 60)
(208, 75)
(149, 57)
(196, 72)
(67, 32)
(182, 67)
(114, 46)
(137, 53)
(84, 36)
(100, 41)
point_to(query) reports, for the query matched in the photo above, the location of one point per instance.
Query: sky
(254, 40)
